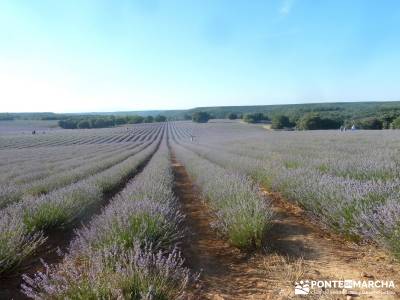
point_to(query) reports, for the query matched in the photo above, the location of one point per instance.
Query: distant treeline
(6, 117)
(31, 116)
(324, 120)
(363, 115)
(106, 121)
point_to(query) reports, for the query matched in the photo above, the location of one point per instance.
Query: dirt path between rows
(296, 249)
(317, 254)
(225, 271)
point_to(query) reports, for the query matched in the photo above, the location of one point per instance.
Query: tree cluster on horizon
(87, 122)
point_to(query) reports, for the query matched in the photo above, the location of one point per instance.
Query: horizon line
(197, 107)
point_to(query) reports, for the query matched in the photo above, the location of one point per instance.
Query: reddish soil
(324, 255)
(225, 271)
(295, 249)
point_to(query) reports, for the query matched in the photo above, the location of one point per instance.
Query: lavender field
(161, 210)
(348, 181)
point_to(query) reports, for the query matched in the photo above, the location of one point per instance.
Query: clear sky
(108, 55)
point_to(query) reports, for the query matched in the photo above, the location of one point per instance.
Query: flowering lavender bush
(16, 242)
(242, 214)
(128, 220)
(112, 273)
(382, 224)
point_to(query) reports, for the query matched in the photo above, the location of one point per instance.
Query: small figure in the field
(191, 138)
(34, 132)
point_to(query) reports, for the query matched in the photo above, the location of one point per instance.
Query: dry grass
(284, 271)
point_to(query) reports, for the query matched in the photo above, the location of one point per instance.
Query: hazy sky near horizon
(108, 55)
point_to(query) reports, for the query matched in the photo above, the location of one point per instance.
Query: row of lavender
(23, 225)
(242, 214)
(38, 182)
(79, 137)
(350, 182)
(36, 171)
(129, 251)
(13, 159)
(23, 166)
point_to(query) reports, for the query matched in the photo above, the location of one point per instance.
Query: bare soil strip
(226, 273)
(296, 249)
(322, 255)
(58, 242)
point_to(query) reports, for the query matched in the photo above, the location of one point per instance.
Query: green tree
(232, 116)
(396, 123)
(280, 122)
(160, 118)
(101, 123)
(120, 121)
(83, 124)
(68, 124)
(255, 118)
(135, 119)
(200, 117)
(313, 121)
(148, 119)
(309, 122)
(369, 123)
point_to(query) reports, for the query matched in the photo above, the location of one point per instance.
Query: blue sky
(98, 55)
